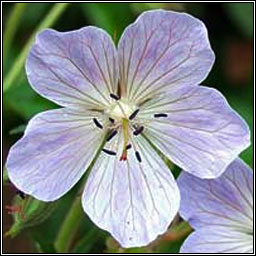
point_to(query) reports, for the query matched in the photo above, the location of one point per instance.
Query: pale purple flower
(155, 71)
(220, 210)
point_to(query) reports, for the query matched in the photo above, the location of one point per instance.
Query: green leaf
(25, 101)
(11, 26)
(48, 21)
(113, 17)
(34, 14)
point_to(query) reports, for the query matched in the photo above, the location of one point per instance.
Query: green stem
(11, 27)
(48, 21)
(83, 245)
(72, 220)
(69, 227)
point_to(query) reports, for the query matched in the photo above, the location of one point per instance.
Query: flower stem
(69, 227)
(73, 218)
(48, 21)
(11, 27)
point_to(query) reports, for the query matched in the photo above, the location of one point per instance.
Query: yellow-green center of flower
(120, 109)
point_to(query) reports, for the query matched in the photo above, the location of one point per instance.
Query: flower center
(122, 114)
(120, 109)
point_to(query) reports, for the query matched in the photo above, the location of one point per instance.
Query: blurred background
(230, 28)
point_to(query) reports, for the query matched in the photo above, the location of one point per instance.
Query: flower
(220, 210)
(146, 90)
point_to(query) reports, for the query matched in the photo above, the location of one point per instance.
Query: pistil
(125, 126)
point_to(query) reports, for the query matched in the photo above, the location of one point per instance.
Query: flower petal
(225, 201)
(201, 134)
(162, 49)
(54, 153)
(217, 240)
(73, 68)
(134, 201)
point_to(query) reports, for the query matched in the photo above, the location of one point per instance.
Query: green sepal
(32, 212)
